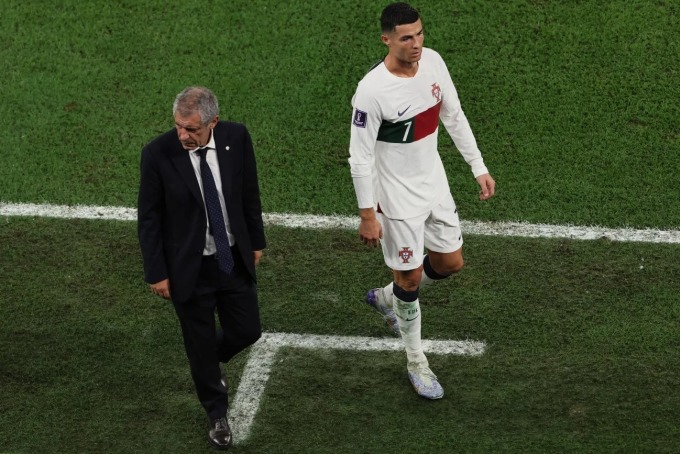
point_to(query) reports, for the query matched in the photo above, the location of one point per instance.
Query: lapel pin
(227, 147)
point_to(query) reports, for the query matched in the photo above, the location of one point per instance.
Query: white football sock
(425, 280)
(409, 326)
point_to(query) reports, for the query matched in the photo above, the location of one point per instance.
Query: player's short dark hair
(397, 14)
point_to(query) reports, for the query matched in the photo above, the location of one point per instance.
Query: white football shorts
(404, 240)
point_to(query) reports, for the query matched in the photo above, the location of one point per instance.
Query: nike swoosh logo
(399, 114)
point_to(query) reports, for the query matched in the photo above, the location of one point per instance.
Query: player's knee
(409, 280)
(410, 286)
(439, 266)
(451, 266)
(457, 265)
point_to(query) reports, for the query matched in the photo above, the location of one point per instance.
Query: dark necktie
(225, 261)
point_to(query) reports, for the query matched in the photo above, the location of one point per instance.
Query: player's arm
(459, 129)
(364, 131)
(370, 230)
(487, 186)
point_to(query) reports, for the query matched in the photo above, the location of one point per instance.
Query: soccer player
(399, 179)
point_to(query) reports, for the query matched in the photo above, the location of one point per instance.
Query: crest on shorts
(405, 254)
(436, 92)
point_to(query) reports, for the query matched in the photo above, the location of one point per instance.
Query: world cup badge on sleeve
(359, 118)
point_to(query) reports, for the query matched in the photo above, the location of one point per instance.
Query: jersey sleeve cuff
(478, 167)
(363, 188)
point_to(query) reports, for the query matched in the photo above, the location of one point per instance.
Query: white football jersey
(393, 141)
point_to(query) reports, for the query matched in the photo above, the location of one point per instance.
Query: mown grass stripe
(515, 229)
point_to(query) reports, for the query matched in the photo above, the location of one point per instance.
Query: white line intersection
(258, 368)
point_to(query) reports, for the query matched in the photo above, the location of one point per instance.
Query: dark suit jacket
(171, 212)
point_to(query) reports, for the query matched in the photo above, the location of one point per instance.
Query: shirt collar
(209, 145)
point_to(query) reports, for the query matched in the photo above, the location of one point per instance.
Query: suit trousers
(234, 298)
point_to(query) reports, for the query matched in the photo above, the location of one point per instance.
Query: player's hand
(487, 185)
(257, 256)
(370, 230)
(161, 288)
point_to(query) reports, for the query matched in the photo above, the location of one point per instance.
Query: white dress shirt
(211, 158)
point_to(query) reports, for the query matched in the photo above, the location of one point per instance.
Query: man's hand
(257, 255)
(370, 230)
(487, 185)
(161, 288)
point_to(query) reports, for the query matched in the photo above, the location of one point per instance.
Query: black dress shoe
(220, 433)
(225, 383)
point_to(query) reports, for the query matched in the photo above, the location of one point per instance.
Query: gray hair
(193, 99)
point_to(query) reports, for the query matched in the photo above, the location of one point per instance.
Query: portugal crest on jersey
(436, 92)
(405, 254)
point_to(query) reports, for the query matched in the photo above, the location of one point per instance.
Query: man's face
(405, 42)
(192, 132)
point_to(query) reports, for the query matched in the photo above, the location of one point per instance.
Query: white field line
(517, 229)
(261, 360)
(262, 355)
(250, 390)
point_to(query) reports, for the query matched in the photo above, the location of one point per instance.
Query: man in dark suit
(201, 234)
